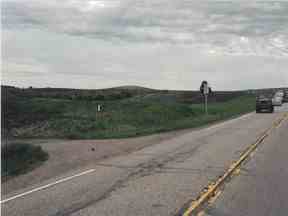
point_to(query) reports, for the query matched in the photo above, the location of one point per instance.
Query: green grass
(134, 116)
(18, 158)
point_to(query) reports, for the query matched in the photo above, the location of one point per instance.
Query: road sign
(205, 90)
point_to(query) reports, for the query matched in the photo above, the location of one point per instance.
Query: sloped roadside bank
(132, 117)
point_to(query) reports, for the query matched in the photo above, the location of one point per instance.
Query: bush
(18, 158)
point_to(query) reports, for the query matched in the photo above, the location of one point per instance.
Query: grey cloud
(169, 15)
(204, 24)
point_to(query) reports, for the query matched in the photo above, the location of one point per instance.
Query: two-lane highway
(157, 180)
(261, 188)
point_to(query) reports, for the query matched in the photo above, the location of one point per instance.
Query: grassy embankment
(134, 116)
(19, 158)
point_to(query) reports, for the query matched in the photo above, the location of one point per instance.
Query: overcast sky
(166, 44)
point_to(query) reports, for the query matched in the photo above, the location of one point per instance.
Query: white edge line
(229, 121)
(46, 186)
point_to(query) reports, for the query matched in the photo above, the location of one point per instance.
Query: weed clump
(18, 158)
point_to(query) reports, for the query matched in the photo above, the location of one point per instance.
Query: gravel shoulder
(68, 155)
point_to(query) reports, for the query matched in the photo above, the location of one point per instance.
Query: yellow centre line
(214, 187)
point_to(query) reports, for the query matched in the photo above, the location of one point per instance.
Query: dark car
(285, 98)
(264, 104)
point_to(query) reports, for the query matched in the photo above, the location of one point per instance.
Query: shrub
(19, 158)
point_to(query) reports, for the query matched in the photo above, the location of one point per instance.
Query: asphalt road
(261, 188)
(157, 180)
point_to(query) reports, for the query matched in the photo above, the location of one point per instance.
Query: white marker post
(99, 107)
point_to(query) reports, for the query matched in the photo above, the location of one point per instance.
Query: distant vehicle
(279, 93)
(285, 98)
(277, 100)
(264, 104)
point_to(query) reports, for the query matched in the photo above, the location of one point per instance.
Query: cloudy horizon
(162, 44)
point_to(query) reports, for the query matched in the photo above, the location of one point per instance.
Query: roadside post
(205, 90)
(99, 107)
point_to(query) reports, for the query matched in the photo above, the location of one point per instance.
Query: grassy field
(19, 158)
(35, 117)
